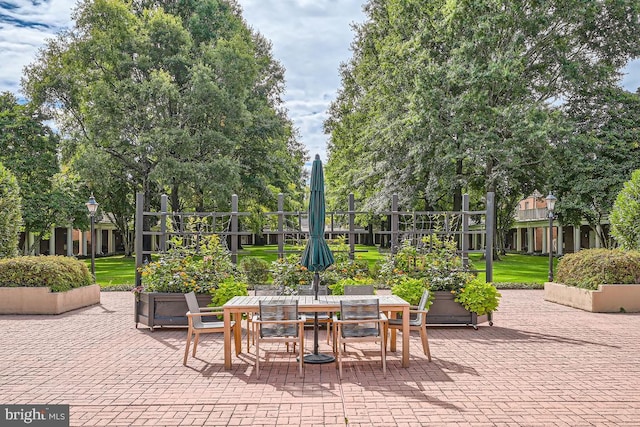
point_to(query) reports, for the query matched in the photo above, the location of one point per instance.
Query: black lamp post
(551, 204)
(92, 207)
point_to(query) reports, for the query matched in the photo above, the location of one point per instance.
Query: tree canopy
(179, 98)
(29, 149)
(625, 217)
(446, 96)
(10, 214)
(593, 162)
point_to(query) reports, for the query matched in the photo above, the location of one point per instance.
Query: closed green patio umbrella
(317, 256)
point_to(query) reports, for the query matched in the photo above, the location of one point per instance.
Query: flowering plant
(181, 270)
(288, 274)
(436, 262)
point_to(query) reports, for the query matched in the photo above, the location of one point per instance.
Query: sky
(310, 38)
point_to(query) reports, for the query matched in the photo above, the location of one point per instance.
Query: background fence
(289, 230)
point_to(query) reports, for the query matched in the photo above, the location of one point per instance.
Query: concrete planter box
(164, 309)
(446, 311)
(607, 299)
(29, 300)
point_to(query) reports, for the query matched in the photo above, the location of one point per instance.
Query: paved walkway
(541, 364)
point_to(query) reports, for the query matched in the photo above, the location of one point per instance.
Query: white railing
(532, 214)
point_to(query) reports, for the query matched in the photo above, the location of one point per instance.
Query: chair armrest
(190, 314)
(211, 308)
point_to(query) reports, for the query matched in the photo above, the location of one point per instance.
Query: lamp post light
(551, 204)
(92, 207)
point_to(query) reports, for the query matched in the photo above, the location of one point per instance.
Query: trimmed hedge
(57, 272)
(590, 268)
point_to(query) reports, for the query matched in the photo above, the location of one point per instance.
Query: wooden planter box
(446, 311)
(607, 299)
(164, 309)
(30, 300)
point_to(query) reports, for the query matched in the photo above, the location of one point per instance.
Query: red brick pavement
(542, 364)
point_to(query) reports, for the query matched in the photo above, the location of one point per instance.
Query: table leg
(237, 332)
(393, 315)
(406, 334)
(227, 338)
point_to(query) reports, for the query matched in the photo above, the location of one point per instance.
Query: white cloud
(24, 27)
(310, 38)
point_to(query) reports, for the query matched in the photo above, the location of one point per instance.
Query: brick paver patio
(541, 364)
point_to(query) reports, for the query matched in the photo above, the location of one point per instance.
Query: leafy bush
(479, 297)
(590, 268)
(255, 269)
(411, 289)
(57, 272)
(181, 270)
(226, 290)
(436, 261)
(288, 274)
(625, 215)
(338, 287)
(10, 215)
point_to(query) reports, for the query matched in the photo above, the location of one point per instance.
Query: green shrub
(256, 270)
(338, 287)
(180, 270)
(10, 215)
(57, 272)
(625, 214)
(436, 260)
(288, 274)
(590, 268)
(411, 289)
(479, 297)
(226, 290)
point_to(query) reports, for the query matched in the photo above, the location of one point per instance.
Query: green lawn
(118, 271)
(516, 268)
(114, 270)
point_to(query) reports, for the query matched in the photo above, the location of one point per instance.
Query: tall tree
(445, 96)
(29, 149)
(597, 159)
(181, 96)
(10, 215)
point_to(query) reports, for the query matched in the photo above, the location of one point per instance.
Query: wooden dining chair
(417, 322)
(279, 321)
(259, 290)
(360, 321)
(197, 326)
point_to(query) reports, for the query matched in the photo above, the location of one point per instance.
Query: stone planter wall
(165, 309)
(446, 311)
(29, 300)
(607, 299)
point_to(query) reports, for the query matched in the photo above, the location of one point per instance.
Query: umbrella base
(317, 359)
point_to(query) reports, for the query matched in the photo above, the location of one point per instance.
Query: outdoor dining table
(308, 304)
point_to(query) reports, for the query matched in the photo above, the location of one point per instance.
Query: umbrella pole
(316, 285)
(317, 358)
